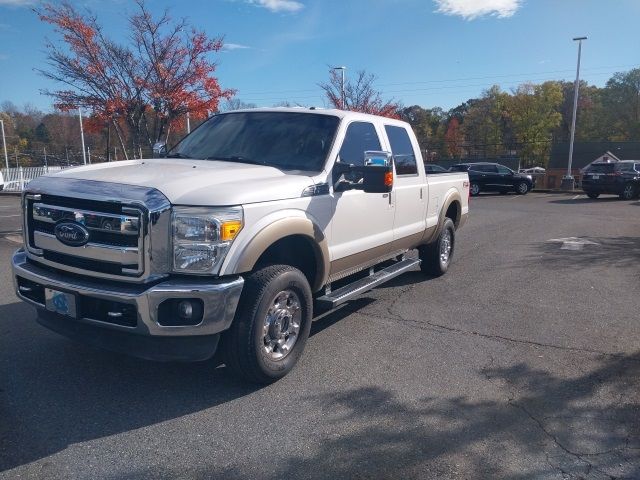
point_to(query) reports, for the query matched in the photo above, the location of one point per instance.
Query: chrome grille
(116, 236)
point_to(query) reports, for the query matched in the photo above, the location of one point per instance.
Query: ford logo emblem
(72, 234)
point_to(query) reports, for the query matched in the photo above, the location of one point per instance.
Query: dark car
(432, 168)
(493, 177)
(620, 178)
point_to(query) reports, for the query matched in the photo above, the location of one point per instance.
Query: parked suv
(493, 177)
(620, 178)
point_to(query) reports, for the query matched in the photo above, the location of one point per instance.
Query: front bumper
(144, 337)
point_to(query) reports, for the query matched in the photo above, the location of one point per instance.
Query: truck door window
(403, 154)
(360, 137)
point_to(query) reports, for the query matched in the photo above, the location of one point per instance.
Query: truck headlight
(202, 237)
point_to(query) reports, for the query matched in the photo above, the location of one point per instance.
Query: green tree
(533, 111)
(621, 101)
(485, 123)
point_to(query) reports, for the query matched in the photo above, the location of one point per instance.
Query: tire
(258, 347)
(522, 188)
(436, 257)
(593, 195)
(474, 189)
(628, 192)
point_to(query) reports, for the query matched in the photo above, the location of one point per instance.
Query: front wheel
(475, 189)
(628, 192)
(522, 188)
(272, 324)
(436, 257)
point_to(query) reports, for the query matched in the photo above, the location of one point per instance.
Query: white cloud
(16, 3)
(278, 5)
(472, 9)
(228, 47)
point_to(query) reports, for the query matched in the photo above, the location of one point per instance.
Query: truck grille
(115, 247)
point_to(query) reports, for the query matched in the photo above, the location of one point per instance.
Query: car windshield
(285, 140)
(601, 168)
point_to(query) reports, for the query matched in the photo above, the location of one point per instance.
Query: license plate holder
(596, 177)
(60, 302)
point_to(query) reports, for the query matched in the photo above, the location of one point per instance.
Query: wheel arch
(294, 241)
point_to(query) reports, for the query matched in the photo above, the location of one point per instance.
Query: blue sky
(425, 52)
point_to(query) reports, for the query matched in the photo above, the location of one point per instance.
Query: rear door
(409, 190)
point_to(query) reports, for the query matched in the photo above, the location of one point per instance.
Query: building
(584, 154)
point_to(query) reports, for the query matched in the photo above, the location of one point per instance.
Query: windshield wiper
(176, 155)
(236, 158)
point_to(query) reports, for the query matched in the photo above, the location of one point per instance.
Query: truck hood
(200, 182)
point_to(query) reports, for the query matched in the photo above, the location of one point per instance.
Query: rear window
(402, 150)
(601, 168)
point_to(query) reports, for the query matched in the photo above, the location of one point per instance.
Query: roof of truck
(321, 111)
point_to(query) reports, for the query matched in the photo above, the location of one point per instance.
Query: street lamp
(4, 144)
(342, 97)
(567, 180)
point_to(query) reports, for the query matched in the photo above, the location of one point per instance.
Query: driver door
(362, 224)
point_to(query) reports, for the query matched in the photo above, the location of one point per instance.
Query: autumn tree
(141, 88)
(360, 95)
(533, 113)
(454, 138)
(485, 123)
(621, 101)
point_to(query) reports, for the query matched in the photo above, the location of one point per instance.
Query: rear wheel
(593, 195)
(436, 257)
(522, 188)
(475, 189)
(272, 324)
(628, 192)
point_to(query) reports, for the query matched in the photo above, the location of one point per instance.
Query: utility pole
(46, 165)
(4, 144)
(89, 155)
(115, 154)
(84, 156)
(342, 96)
(188, 125)
(567, 180)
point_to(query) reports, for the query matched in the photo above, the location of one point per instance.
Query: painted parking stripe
(9, 216)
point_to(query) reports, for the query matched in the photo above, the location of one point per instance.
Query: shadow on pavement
(571, 201)
(588, 426)
(54, 392)
(609, 251)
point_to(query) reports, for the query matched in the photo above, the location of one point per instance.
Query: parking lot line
(9, 216)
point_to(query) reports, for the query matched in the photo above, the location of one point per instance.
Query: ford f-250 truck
(234, 238)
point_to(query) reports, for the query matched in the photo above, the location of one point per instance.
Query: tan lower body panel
(343, 267)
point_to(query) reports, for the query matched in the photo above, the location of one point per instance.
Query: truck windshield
(285, 140)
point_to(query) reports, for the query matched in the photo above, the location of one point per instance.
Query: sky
(432, 53)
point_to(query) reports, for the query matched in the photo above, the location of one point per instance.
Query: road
(522, 362)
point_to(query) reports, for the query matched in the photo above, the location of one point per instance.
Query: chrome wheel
(445, 247)
(628, 192)
(475, 189)
(523, 188)
(282, 325)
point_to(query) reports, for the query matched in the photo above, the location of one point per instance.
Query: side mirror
(159, 149)
(377, 178)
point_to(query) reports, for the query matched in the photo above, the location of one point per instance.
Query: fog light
(180, 312)
(185, 309)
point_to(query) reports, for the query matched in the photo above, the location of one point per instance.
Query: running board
(346, 293)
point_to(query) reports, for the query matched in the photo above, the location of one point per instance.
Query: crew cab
(493, 177)
(620, 178)
(233, 240)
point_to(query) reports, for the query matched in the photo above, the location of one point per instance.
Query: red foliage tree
(142, 89)
(454, 137)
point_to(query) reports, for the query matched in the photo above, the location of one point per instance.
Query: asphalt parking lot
(522, 362)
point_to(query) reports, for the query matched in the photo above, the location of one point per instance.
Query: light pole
(4, 144)
(567, 180)
(188, 124)
(84, 153)
(342, 98)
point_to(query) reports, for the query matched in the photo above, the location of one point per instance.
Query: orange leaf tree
(142, 87)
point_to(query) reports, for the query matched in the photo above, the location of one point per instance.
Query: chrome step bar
(346, 293)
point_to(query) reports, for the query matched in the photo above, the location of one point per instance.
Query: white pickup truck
(232, 240)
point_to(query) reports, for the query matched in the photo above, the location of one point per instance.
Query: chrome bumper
(219, 296)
